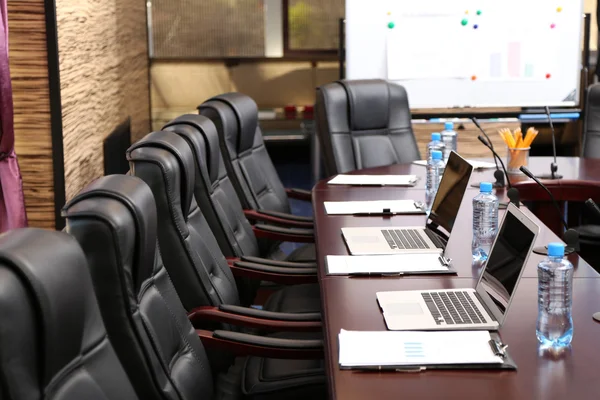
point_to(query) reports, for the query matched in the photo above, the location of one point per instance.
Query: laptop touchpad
(404, 309)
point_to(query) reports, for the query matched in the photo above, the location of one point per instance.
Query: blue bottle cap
(436, 136)
(449, 126)
(556, 249)
(485, 187)
(436, 154)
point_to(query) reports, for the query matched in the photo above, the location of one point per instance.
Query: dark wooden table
(350, 303)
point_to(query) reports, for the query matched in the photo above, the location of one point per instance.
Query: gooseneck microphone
(553, 165)
(571, 236)
(512, 193)
(497, 174)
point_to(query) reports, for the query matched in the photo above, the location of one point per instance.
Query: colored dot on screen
(478, 12)
(389, 13)
(467, 12)
(548, 76)
(464, 22)
(391, 25)
(552, 26)
(475, 26)
(474, 78)
(558, 9)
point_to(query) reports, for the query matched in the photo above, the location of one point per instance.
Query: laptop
(484, 307)
(416, 239)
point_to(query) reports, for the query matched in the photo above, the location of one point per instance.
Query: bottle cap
(449, 126)
(436, 136)
(485, 187)
(556, 249)
(436, 155)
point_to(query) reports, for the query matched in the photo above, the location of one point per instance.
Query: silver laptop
(417, 239)
(484, 307)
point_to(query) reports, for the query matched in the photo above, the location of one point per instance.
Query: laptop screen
(450, 192)
(507, 259)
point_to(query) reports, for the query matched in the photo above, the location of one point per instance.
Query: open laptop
(484, 307)
(411, 239)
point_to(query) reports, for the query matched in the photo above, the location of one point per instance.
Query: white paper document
(373, 207)
(385, 264)
(374, 180)
(476, 164)
(360, 349)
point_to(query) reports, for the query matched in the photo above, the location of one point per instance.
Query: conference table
(350, 302)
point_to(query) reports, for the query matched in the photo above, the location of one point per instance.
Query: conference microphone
(571, 236)
(512, 193)
(553, 165)
(498, 175)
(593, 207)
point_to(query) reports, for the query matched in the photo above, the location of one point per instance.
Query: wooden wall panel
(29, 73)
(104, 79)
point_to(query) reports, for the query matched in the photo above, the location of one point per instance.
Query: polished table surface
(350, 303)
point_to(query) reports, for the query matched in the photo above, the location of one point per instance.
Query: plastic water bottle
(485, 221)
(435, 169)
(555, 288)
(449, 139)
(435, 144)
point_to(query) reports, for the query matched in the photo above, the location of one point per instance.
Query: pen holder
(517, 158)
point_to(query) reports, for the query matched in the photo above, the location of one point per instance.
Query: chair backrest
(591, 125)
(114, 220)
(213, 189)
(364, 124)
(249, 165)
(195, 261)
(53, 344)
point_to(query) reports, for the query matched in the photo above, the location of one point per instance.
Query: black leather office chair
(364, 124)
(221, 207)
(250, 168)
(114, 219)
(589, 235)
(53, 344)
(591, 123)
(166, 163)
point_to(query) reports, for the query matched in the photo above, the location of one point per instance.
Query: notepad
(387, 264)
(363, 349)
(476, 164)
(374, 180)
(373, 207)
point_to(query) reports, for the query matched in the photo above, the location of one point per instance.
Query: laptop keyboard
(404, 239)
(452, 308)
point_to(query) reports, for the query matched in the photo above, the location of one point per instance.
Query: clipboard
(389, 265)
(495, 344)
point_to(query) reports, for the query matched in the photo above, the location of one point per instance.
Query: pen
(375, 274)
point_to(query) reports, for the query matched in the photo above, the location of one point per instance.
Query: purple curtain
(12, 205)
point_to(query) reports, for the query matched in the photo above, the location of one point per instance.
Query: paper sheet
(375, 206)
(384, 264)
(476, 164)
(371, 349)
(374, 180)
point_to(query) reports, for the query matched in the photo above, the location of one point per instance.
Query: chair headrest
(246, 113)
(50, 269)
(185, 158)
(206, 147)
(135, 230)
(368, 103)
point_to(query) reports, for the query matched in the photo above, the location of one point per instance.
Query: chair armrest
(286, 216)
(284, 234)
(279, 263)
(299, 194)
(243, 344)
(272, 315)
(277, 218)
(271, 273)
(200, 315)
